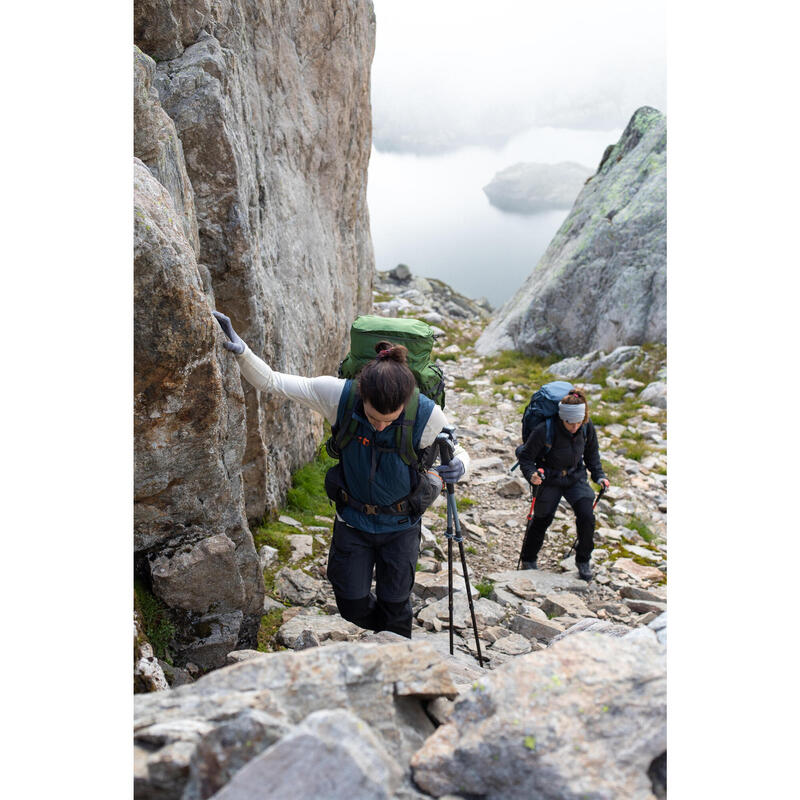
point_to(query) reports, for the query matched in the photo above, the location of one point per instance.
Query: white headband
(572, 413)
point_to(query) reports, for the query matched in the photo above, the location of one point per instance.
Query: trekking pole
(446, 455)
(449, 535)
(534, 492)
(599, 495)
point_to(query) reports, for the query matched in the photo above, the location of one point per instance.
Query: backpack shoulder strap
(405, 431)
(548, 437)
(347, 425)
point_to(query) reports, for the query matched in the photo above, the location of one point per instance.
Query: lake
(430, 212)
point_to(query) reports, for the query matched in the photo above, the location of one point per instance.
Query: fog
(448, 74)
(462, 90)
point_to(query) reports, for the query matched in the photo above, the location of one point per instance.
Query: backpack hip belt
(398, 508)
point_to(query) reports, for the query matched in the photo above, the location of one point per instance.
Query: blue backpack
(542, 407)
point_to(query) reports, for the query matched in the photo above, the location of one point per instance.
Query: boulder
(296, 587)
(228, 746)
(148, 675)
(629, 567)
(323, 627)
(197, 577)
(654, 394)
(535, 582)
(435, 585)
(267, 555)
(301, 544)
(558, 603)
(331, 754)
(513, 645)
(554, 724)
(511, 487)
(535, 629)
(612, 247)
(237, 656)
(192, 730)
(593, 625)
(401, 273)
(440, 610)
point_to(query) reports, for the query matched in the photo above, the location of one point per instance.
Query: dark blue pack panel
(543, 405)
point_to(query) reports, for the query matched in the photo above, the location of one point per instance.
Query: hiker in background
(378, 507)
(572, 450)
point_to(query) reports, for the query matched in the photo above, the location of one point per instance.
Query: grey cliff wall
(601, 283)
(252, 129)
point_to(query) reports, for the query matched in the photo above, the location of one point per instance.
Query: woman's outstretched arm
(321, 394)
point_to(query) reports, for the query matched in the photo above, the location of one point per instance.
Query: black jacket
(569, 457)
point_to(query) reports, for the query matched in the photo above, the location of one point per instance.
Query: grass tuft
(463, 503)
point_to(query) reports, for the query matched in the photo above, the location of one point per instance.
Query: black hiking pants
(580, 496)
(353, 556)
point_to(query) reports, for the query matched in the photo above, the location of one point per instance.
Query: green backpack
(413, 334)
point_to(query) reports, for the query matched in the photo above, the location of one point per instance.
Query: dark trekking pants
(353, 556)
(580, 496)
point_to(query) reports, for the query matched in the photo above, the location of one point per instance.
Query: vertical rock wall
(271, 104)
(252, 132)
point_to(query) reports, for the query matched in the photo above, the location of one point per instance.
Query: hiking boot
(528, 564)
(584, 569)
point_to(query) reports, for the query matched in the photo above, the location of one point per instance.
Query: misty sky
(447, 73)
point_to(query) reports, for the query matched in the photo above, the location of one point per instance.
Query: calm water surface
(430, 212)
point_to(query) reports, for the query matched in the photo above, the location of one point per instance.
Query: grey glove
(451, 472)
(235, 345)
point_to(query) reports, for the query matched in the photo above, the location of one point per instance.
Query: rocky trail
(428, 713)
(630, 556)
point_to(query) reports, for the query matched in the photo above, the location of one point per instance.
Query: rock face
(252, 137)
(584, 718)
(271, 104)
(530, 188)
(189, 522)
(602, 280)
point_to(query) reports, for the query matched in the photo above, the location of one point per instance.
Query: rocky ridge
(601, 283)
(538, 629)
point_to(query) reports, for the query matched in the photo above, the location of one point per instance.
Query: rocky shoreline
(527, 620)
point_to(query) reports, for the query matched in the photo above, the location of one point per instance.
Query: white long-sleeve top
(323, 394)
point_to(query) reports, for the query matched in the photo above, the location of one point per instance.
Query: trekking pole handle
(599, 495)
(446, 456)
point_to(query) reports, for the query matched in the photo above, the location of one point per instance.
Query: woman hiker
(378, 516)
(561, 472)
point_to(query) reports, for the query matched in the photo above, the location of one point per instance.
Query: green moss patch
(158, 627)
(529, 372)
(270, 623)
